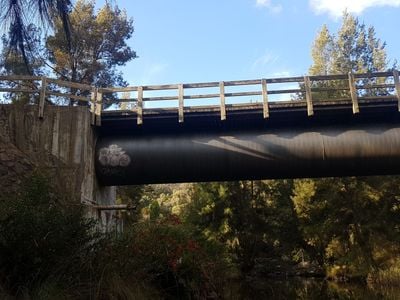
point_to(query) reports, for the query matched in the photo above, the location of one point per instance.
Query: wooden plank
(181, 103)
(242, 82)
(307, 87)
(162, 98)
(19, 77)
(397, 86)
(204, 96)
(288, 91)
(139, 109)
(344, 76)
(285, 80)
(93, 98)
(374, 74)
(80, 98)
(328, 77)
(222, 99)
(99, 107)
(42, 97)
(18, 90)
(375, 86)
(200, 85)
(265, 98)
(353, 93)
(114, 207)
(118, 89)
(76, 85)
(160, 87)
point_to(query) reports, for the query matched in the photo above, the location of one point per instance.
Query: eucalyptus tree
(17, 15)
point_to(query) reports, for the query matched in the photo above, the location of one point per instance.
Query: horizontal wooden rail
(114, 207)
(70, 84)
(307, 91)
(19, 77)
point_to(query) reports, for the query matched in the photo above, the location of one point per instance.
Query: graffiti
(113, 156)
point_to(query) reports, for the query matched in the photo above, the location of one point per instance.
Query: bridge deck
(307, 93)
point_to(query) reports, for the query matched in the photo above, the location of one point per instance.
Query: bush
(167, 254)
(39, 234)
(49, 249)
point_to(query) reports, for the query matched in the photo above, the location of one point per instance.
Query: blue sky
(213, 40)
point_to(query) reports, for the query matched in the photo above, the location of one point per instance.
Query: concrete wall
(62, 144)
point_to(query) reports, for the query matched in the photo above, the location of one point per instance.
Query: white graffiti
(114, 156)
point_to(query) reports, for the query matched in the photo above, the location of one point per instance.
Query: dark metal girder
(345, 145)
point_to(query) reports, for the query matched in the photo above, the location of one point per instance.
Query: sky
(180, 41)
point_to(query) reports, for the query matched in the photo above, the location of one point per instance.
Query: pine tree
(355, 48)
(98, 46)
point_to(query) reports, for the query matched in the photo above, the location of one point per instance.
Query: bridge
(308, 126)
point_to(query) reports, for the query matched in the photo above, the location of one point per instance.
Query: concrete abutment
(62, 144)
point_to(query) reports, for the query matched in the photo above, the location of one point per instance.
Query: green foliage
(12, 62)
(50, 250)
(98, 45)
(352, 223)
(354, 48)
(14, 17)
(168, 254)
(252, 218)
(38, 234)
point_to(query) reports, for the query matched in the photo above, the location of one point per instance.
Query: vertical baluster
(140, 105)
(42, 97)
(222, 98)
(93, 99)
(307, 86)
(353, 93)
(265, 98)
(180, 96)
(397, 86)
(99, 107)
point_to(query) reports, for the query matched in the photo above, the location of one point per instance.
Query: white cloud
(274, 8)
(263, 2)
(267, 58)
(336, 7)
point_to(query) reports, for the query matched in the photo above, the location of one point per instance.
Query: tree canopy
(17, 15)
(98, 45)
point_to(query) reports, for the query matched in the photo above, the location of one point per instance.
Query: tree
(98, 46)
(254, 219)
(16, 21)
(12, 62)
(349, 222)
(355, 48)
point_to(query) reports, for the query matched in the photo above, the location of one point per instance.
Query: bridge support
(62, 144)
(357, 148)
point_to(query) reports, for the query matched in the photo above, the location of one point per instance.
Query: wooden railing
(310, 90)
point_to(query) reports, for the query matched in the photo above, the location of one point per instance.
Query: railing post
(139, 108)
(222, 98)
(42, 97)
(180, 96)
(353, 93)
(265, 98)
(397, 86)
(93, 99)
(307, 86)
(99, 107)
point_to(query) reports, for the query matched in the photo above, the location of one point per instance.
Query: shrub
(38, 234)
